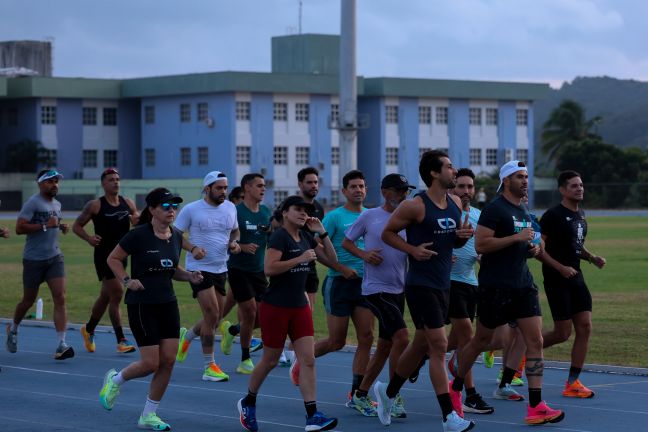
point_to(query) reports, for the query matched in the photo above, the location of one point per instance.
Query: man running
(112, 216)
(40, 220)
(382, 289)
(213, 228)
(507, 293)
(564, 229)
(433, 225)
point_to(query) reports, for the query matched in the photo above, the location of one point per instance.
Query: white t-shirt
(209, 227)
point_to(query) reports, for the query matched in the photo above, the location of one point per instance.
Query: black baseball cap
(395, 181)
(161, 196)
(296, 200)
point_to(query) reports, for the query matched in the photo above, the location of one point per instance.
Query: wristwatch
(44, 227)
(125, 281)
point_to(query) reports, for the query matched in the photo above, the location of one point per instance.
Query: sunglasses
(169, 206)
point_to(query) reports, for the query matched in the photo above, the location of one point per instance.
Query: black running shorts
(388, 309)
(499, 306)
(150, 323)
(216, 280)
(428, 306)
(567, 297)
(463, 300)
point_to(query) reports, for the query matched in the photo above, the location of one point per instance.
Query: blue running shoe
(255, 345)
(247, 416)
(319, 422)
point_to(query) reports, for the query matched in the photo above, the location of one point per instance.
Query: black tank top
(111, 223)
(438, 226)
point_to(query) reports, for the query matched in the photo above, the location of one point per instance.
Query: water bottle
(537, 235)
(39, 309)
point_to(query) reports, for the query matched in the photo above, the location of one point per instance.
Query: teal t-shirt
(254, 228)
(336, 223)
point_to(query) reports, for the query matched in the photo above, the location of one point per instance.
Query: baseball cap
(213, 176)
(48, 175)
(296, 200)
(510, 167)
(395, 181)
(109, 171)
(161, 196)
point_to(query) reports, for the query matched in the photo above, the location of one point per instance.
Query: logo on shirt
(152, 251)
(166, 263)
(446, 223)
(119, 214)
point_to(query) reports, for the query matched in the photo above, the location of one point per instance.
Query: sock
(92, 325)
(208, 359)
(61, 336)
(507, 377)
(119, 333)
(535, 397)
(446, 405)
(311, 408)
(234, 329)
(190, 335)
(14, 327)
(245, 353)
(355, 384)
(119, 379)
(457, 384)
(150, 406)
(395, 385)
(250, 399)
(574, 373)
(471, 391)
(361, 393)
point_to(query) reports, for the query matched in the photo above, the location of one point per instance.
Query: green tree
(26, 156)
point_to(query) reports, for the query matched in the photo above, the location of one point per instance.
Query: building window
(281, 155)
(50, 157)
(522, 117)
(242, 155)
(391, 113)
(149, 114)
(335, 155)
(302, 155)
(48, 115)
(110, 116)
(443, 149)
(475, 116)
(391, 156)
(335, 197)
(89, 158)
(89, 116)
(185, 113)
(475, 156)
(203, 155)
(441, 115)
(110, 158)
(491, 157)
(302, 112)
(149, 157)
(203, 111)
(280, 111)
(423, 150)
(335, 113)
(280, 196)
(425, 115)
(243, 110)
(491, 116)
(185, 156)
(522, 155)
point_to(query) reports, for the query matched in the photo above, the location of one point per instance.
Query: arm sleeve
(183, 220)
(358, 229)
(547, 223)
(27, 211)
(277, 240)
(489, 217)
(129, 241)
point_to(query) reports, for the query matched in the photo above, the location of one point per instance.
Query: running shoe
(363, 405)
(183, 346)
(294, 372)
(476, 405)
(247, 416)
(398, 409)
(124, 347)
(109, 391)
(455, 396)
(577, 390)
(226, 338)
(319, 422)
(489, 358)
(517, 380)
(384, 403)
(453, 364)
(63, 351)
(284, 361)
(214, 373)
(245, 367)
(88, 339)
(454, 423)
(12, 340)
(255, 344)
(153, 422)
(507, 393)
(542, 414)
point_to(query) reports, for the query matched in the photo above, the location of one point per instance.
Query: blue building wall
(69, 135)
(459, 132)
(506, 131)
(320, 142)
(408, 133)
(371, 147)
(262, 129)
(129, 152)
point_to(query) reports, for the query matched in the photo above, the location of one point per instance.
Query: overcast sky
(504, 40)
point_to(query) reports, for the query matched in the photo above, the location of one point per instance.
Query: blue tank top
(438, 226)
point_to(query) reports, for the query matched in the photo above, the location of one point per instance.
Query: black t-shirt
(565, 231)
(153, 262)
(506, 267)
(318, 212)
(111, 223)
(287, 289)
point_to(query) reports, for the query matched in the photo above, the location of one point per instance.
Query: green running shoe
(214, 373)
(183, 346)
(489, 358)
(109, 391)
(153, 422)
(227, 339)
(245, 367)
(398, 409)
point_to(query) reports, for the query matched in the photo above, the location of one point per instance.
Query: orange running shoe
(577, 390)
(542, 414)
(88, 339)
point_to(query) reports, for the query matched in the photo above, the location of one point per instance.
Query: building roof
(84, 88)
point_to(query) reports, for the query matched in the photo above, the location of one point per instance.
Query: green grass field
(619, 293)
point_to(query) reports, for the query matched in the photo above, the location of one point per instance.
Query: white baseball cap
(212, 177)
(510, 167)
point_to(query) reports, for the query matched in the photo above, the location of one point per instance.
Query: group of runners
(420, 250)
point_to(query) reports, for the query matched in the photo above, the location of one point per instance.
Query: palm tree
(567, 124)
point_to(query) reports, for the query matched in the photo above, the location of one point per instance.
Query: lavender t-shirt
(389, 276)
